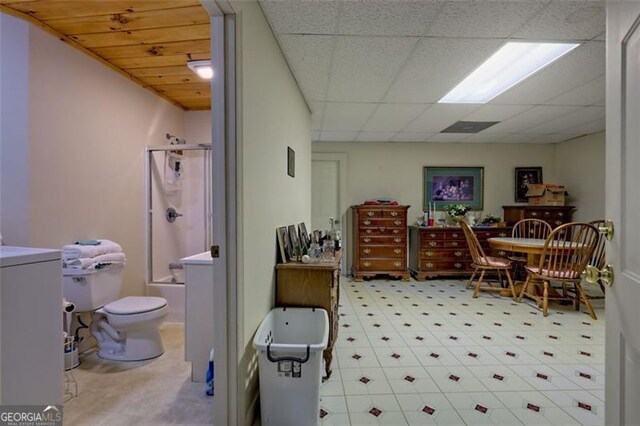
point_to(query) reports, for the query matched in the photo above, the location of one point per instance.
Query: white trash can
(290, 342)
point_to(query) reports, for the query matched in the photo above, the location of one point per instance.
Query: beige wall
(580, 167)
(271, 116)
(88, 130)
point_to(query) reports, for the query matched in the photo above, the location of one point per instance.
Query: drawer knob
(432, 235)
(547, 213)
(398, 222)
(429, 265)
(367, 222)
(429, 254)
(397, 240)
(366, 240)
(369, 231)
(383, 228)
(366, 251)
(397, 264)
(433, 243)
(397, 251)
(502, 234)
(502, 252)
(366, 264)
(396, 231)
(560, 214)
(558, 222)
(370, 214)
(454, 235)
(458, 253)
(457, 265)
(454, 244)
(394, 214)
(534, 214)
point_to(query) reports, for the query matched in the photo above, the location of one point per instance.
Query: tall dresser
(379, 241)
(444, 251)
(553, 215)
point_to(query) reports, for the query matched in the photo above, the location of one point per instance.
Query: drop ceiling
(148, 41)
(374, 70)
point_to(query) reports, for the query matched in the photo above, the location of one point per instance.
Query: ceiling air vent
(469, 126)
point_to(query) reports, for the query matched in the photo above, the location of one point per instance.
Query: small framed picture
(291, 162)
(295, 242)
(284, 245)
(304, 235)
(524, 176)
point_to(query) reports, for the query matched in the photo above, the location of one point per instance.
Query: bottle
(210, 375)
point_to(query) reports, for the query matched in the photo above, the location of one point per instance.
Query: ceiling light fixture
(202, 68)
(511, 64)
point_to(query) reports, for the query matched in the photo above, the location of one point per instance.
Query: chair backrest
(568, 249)
(531, 228)
(598, 257)
(477, 254)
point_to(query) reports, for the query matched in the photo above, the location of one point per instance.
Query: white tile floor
(428, 353)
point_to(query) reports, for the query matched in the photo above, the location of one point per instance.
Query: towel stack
(92, 254)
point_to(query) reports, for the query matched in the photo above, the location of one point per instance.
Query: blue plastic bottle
(210, 375)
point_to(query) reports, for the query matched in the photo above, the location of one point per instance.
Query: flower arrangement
(491, 219)
(457, 210)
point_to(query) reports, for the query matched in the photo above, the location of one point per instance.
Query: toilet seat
(132, 305)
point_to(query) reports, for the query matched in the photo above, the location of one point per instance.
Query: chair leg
(511, 286)
(545, 298)
(586, 301)
(601, 286)
(477, 290)
(475, 271)
(524, 288)
(576, 301)
(500, 278)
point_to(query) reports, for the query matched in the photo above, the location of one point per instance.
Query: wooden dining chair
(527, 228)
(483, 264)
(566, 253)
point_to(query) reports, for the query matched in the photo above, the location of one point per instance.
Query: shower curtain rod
(204, 146)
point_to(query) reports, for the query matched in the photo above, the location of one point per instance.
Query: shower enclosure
(178, 217)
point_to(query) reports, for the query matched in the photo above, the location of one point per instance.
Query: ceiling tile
(364, 67)
(439, 117)
(310, 59)
(496, 112)
(436, 65)
(580, 66)
(566, 20)
(593, 92)
(448, 137)
(337, 136)
(530, 118)
(346, 116)
(388, 117)
(587, 128)
(375, 136)
(397, 18)
(317, 111)
(301, 17)
(411, 137)
(577, 118)
(483, 18)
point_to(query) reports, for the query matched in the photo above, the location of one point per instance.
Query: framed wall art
(523, 177)
(444, 186)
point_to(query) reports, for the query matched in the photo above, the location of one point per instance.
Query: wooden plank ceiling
(148, 41)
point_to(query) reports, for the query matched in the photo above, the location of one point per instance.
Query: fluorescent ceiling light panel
(202, 68)
(511, 64)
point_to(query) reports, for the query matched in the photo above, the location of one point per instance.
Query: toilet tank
(92, 289)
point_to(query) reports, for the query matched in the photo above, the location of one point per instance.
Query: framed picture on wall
(525, 176)
(444, 186)
(284, 245)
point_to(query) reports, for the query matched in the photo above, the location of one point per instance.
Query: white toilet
(126, 329)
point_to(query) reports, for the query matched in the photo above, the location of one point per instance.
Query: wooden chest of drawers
(444, 252)
(553, 215)
(379, 241)
(312, 285)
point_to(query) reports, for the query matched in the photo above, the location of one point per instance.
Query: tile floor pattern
(157, 392)
(422, 353)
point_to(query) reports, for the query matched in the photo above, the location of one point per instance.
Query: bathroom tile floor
(422, 353)
(152, 392)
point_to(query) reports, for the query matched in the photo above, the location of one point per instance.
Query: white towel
(76, 251)
(91, 262)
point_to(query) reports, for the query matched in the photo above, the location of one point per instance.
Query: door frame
(341, 158)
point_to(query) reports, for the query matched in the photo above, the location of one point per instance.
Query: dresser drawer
(432, 234)
(382, 264)
(443, 265)
(457, 234)
(382, 231)
(455, 254)
(429, 244)
(369, 213)
(381, 251)
(455, 243)
(394, 214)
(378, 240)
(383, 223)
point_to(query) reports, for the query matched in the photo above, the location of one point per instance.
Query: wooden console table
(312, 285)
